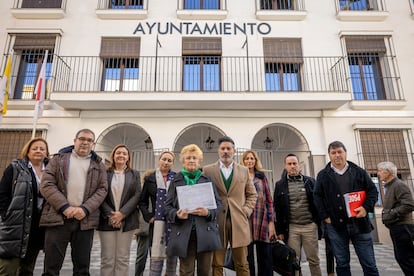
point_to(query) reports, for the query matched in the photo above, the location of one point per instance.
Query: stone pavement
(384, 255)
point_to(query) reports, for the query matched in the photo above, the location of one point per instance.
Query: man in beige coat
(238, 197)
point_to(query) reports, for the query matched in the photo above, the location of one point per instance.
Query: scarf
(191, 178)
(161, 226)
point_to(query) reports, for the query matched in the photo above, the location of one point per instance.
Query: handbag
(228, 259)
(143, 226)
(284, 259)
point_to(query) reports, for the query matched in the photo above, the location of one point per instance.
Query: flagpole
(40, 91)
(35, 120)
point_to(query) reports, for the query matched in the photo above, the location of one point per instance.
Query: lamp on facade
(209, 143)
(268, 142)
(148, 143)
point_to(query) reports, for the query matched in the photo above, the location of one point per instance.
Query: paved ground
(384, 255)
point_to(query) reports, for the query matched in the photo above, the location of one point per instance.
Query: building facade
(278, 76)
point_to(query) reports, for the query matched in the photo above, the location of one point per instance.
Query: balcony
(361, 10)
(202, 9)
(34, 9)
(283, 10)
(122, 9)
(174, 82)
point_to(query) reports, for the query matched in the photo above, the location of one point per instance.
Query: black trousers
(264, 258)
(403, 239)
(56, 241)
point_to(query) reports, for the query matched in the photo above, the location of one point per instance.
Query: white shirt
(226, 170)
(117, 187)
(340, 172)
(39, 197)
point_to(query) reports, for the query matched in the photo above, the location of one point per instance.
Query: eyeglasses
(84, 139)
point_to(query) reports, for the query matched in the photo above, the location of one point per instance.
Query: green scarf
(191, 178)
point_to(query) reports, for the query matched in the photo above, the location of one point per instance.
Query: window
(282, 61)
(201, 64)
(358, 5)
(29, 53)
(277, 4)
(11, 144)
(201, 4)
(367, 65)
(120, 57)
(379, 145)
(126, 4)
(42, 4)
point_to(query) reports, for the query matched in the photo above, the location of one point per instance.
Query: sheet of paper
(198, 195)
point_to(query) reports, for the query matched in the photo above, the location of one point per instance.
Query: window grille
(11, 144)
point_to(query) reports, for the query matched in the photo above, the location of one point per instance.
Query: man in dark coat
(296, 217)
(397, 215)
(337, 180)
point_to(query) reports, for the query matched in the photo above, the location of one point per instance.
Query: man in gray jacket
(74, 185)
(397, 215)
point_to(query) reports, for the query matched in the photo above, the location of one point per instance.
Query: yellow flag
(4, 86)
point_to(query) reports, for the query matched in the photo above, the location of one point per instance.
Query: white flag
(40, 89)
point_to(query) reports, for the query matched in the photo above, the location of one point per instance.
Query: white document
(199, 195)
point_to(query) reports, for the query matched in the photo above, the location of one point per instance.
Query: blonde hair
(28, 145)
(191, 148)
(128, 163)
(169, 152)
(258, 165)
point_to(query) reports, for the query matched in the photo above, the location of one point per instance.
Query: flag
(40, 89)
(5, 85)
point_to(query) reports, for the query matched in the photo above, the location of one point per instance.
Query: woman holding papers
(151, 204)
(194, 230)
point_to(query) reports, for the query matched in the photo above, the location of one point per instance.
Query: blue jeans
(363, 245)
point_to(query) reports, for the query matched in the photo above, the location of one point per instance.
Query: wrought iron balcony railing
(361, 5)
(367, 77)
(282, 5)
(202, 4)
(123, 4)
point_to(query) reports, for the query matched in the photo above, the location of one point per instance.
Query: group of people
(47, 204)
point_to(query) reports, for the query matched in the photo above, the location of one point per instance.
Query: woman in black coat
(194, 233)
(21, 204)
(119, 213)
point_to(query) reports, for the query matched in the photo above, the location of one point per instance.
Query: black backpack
(284, 259)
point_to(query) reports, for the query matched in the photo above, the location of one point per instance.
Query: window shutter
(42, 4)
(365, 44)
(115, 47)
(201, 46)
(11, 144)
(34, 41)
(384, 145)
(282, 50)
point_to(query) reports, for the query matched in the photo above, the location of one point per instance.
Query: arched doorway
(134, 137)
(203, 135)
(273, 142)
